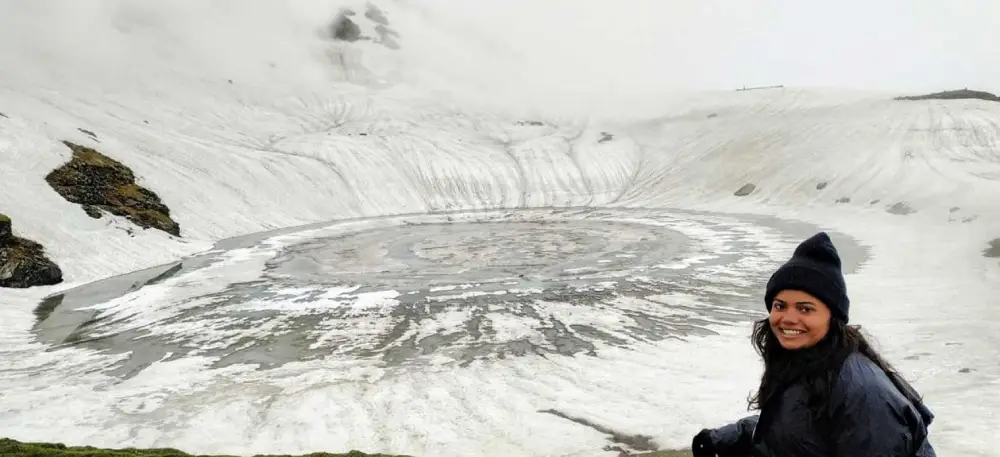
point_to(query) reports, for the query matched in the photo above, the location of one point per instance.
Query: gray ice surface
(491, 272)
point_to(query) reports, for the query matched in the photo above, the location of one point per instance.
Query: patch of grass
(132, 190)
(4, 218)
(90, 156)
(954, 95)
(11, 448)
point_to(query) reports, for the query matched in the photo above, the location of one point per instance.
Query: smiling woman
(825, 390)
(798, 319)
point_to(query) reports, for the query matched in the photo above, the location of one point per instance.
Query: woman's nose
(789, 317)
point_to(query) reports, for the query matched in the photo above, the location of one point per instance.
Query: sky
(722, 44)
(524, 49)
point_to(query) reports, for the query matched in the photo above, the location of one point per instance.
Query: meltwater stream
(434, 289)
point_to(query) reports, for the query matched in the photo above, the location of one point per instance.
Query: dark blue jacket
(869, 416)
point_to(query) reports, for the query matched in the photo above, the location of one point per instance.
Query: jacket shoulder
(865, 394)
(859, 373)
(860, 376)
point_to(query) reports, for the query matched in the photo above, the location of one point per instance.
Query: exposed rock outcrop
(100, 183)
(993, 250)
(900, 208)
(6, 229)
(344, 28)
(22, 262)
(955, 95)
(747, 189)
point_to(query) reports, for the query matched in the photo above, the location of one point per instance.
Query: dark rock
(844, 200)
(954, 95)
(900, 208)
(875, 201)
(605, 137)
(747, 189)
(965, 370)
(531, 123)
(99, 182)
(88, 132)
(6, 231)
(92, 211)
(821, 185)
(343, 28)
(22, 262)
(993, 250)
(4, 116)
(713, 116)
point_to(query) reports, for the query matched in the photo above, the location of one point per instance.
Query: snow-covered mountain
(244, 117)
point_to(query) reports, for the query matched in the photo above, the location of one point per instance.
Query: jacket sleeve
(734, 438)
(869, 416)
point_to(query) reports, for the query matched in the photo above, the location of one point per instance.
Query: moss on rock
(23, 262)
(98, 182)
(11, 448)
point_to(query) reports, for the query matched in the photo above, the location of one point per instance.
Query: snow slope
(246, 118)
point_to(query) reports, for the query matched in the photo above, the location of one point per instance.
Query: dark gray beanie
(815, 269)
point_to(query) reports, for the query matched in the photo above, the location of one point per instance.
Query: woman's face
(798, 319)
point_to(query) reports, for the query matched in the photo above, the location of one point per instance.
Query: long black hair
(816, 367)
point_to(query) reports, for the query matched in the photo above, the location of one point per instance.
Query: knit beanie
(815, 269)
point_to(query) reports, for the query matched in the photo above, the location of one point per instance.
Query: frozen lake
(414, 295)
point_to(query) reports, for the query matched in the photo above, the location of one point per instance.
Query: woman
(825, 391)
